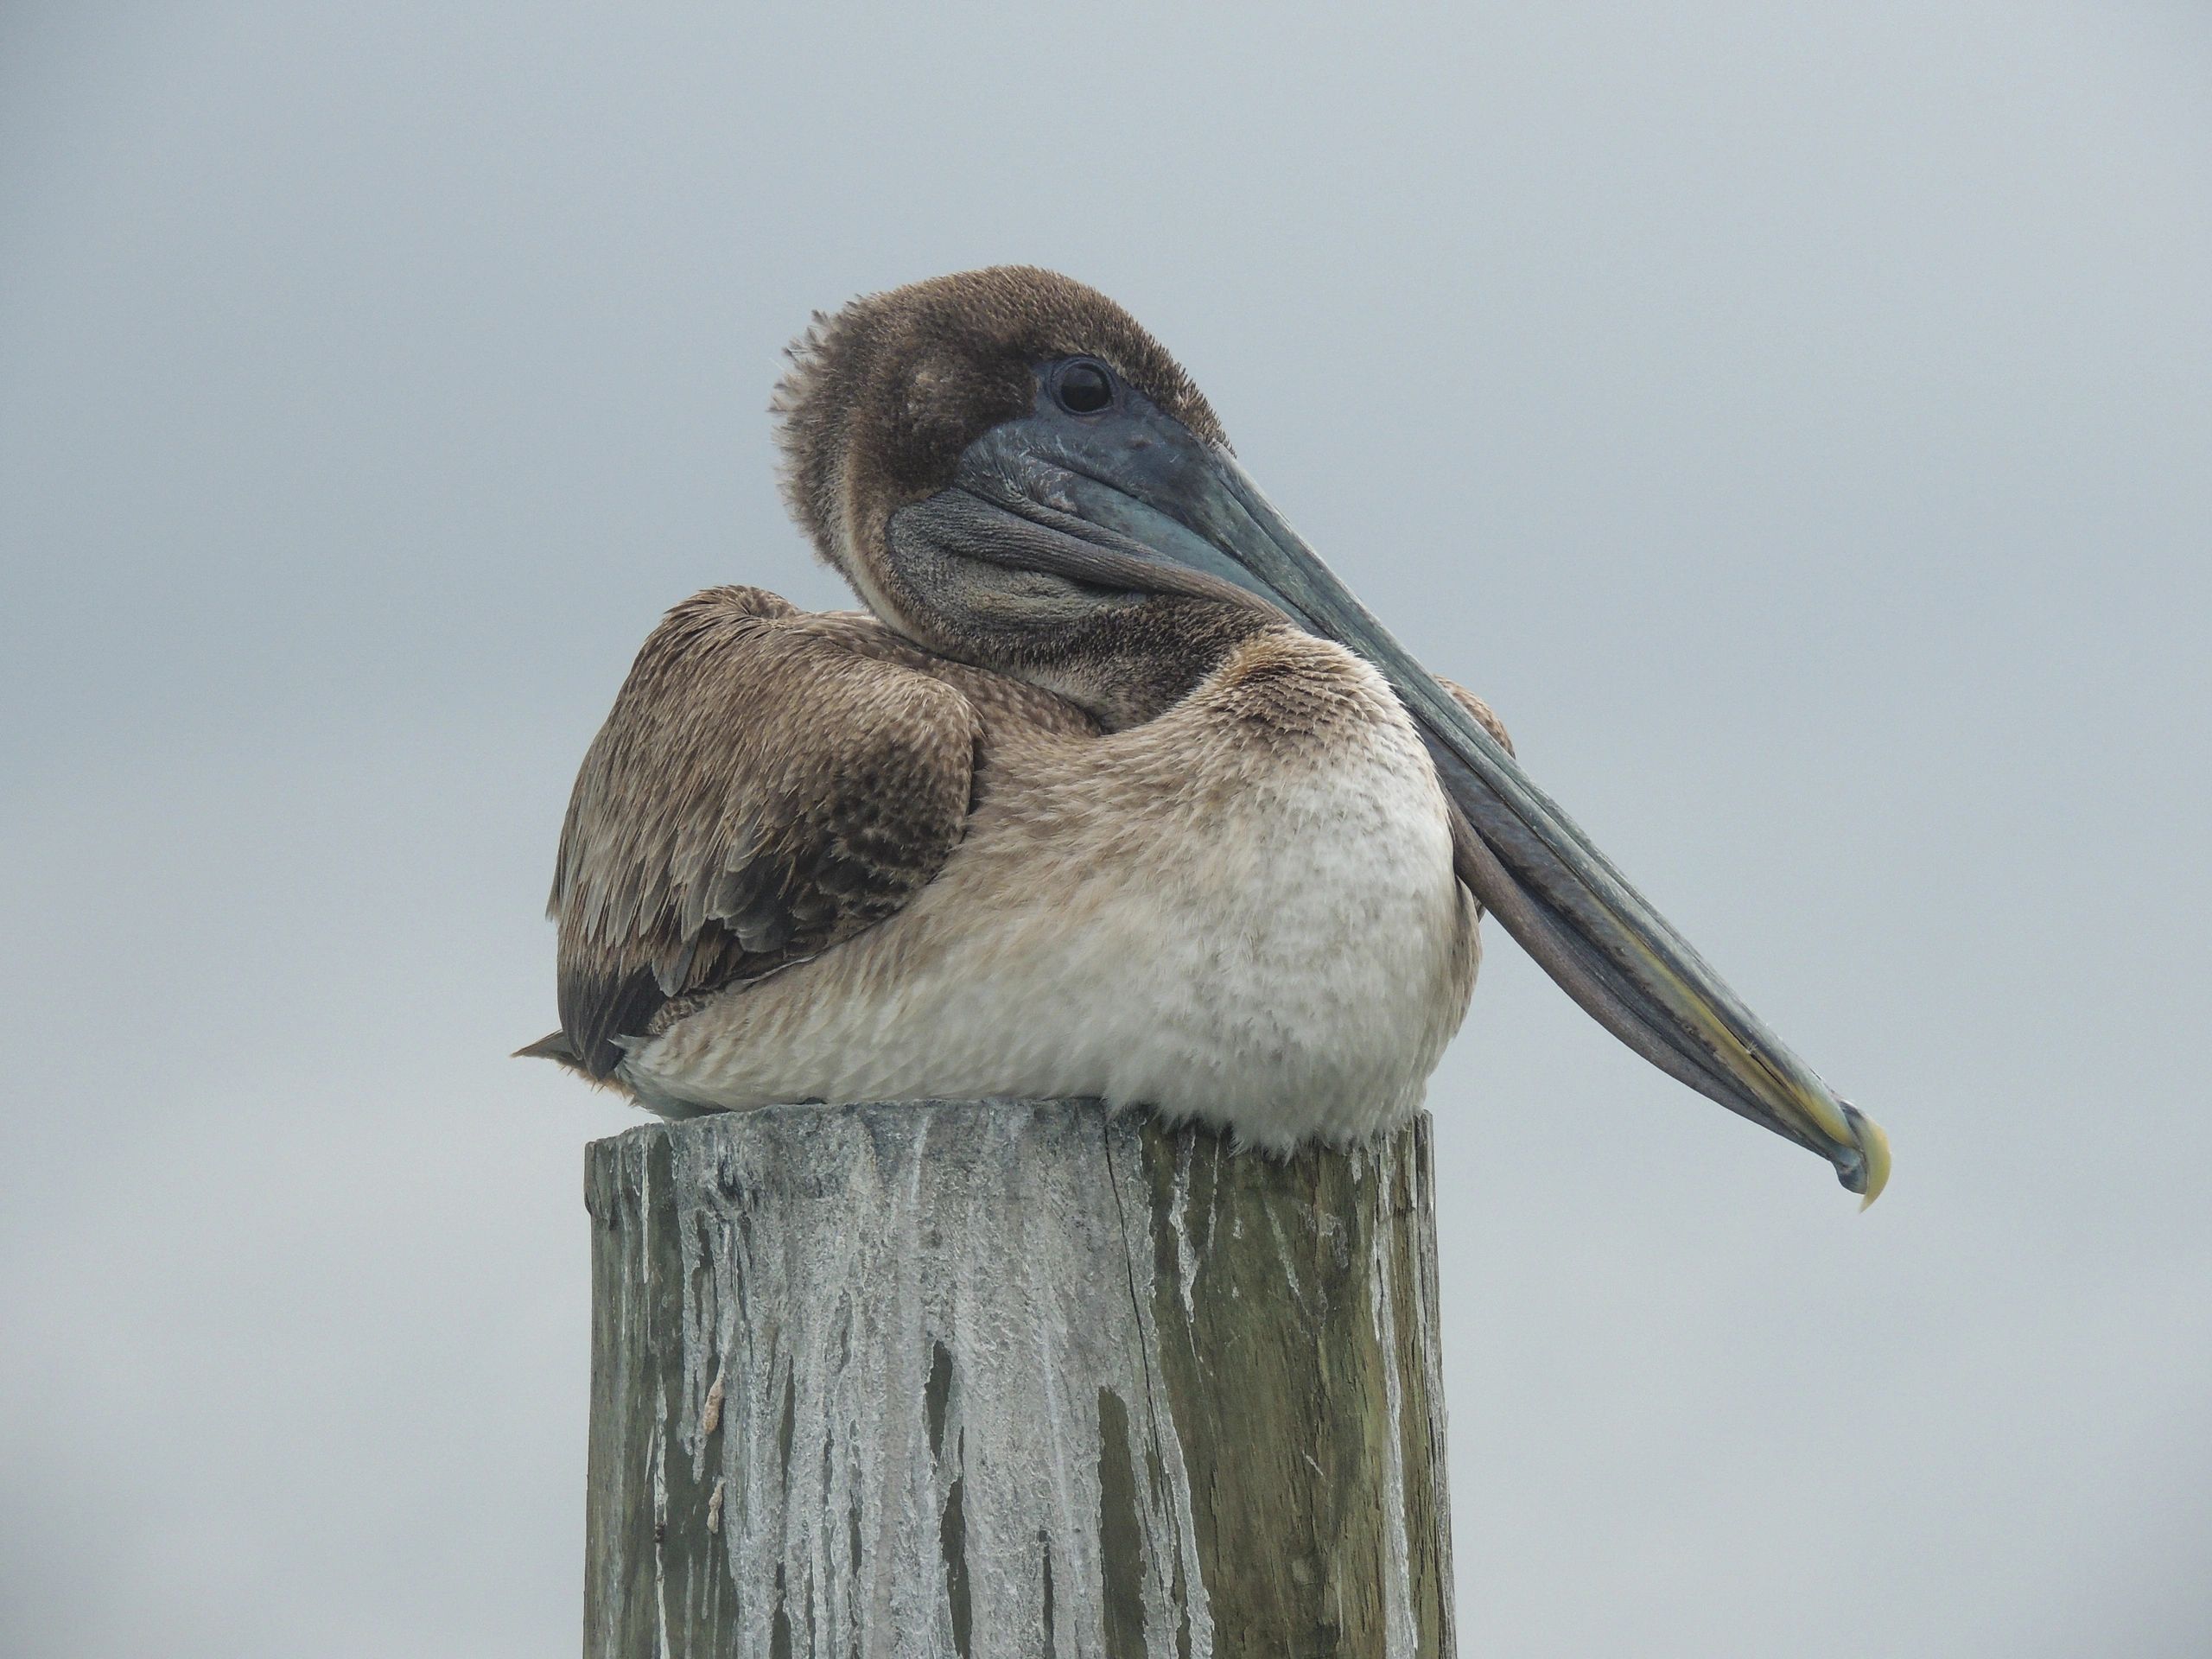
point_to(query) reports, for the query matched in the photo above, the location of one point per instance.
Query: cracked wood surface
(1011, 1378)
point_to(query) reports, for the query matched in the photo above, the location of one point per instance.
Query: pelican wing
(771, 781)
(1465, 849)
(1481, 710)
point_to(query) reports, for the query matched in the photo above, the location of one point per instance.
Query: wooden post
(1011, 1378)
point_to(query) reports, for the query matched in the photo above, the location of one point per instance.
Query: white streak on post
(1179, 1217)
(1398, 1606)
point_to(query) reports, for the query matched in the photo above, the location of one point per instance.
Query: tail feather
(554, 1045)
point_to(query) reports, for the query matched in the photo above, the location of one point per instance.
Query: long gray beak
(1147, 489)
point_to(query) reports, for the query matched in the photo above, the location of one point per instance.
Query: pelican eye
(1083, 387)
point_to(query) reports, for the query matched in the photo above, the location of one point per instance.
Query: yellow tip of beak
(1876, 1144)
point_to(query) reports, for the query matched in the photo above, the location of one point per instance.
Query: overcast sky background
(1796, 420)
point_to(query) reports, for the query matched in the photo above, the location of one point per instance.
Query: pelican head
(1010, 471)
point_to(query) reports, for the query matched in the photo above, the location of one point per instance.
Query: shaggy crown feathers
(882, 396)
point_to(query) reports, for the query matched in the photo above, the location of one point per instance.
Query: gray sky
(1796, 421)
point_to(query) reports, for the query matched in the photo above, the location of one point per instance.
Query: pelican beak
(1142, 494)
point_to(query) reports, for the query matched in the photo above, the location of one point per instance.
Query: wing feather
(1481, 710)
(770, 782)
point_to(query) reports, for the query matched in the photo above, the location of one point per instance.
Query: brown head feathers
(882, 396)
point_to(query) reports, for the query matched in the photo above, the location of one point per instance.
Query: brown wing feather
(1475, 706)
(771, 781)
(1464, 852)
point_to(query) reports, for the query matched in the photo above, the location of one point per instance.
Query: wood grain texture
(1010, 1378)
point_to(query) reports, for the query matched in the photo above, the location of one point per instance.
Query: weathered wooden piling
(1011, 1378)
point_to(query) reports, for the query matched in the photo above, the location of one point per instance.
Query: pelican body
(1112, 791)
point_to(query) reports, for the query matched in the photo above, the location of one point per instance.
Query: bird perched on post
(1113, 790)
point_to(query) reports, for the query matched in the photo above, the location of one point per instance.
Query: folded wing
(771, 781)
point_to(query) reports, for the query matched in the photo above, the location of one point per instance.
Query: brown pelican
(1113, 791)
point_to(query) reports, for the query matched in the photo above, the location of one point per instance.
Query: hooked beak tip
(1870, 1171)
